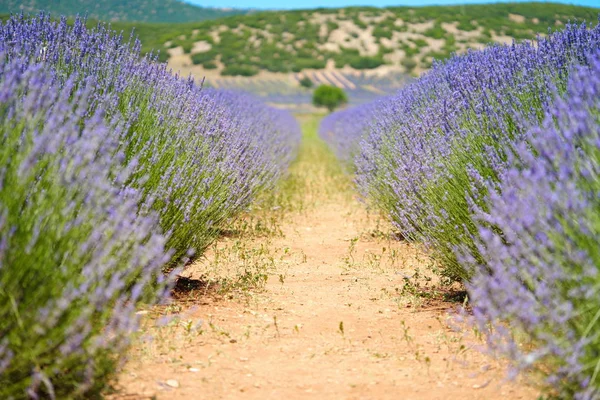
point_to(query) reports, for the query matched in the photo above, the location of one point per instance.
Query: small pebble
(476, 386)
(172, 383)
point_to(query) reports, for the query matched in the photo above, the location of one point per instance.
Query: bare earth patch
(201, 46)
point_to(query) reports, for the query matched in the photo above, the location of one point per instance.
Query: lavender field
(468, 198)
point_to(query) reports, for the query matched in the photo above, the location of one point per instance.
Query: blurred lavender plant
(344, 129)
(201, 155)
(493, 159)
(110, 168)
(538, 264)
(75, 258)
(454, 126)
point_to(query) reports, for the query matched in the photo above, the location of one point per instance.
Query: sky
(291, 4)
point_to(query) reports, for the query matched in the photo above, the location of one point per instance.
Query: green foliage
(120, 10)
(466, 25)
(201, 58)
(438, 55)
(187, 47)
(495, 16)
(236, 48)
(367, 62)
(306, 82)
(381, 32)
(353, 58)
(162, 56)
(485, 37)
(518, 34)
(331, 26)
(419, 42)
(437, 32)
(330, 97)
(274, 65)
(239, 70)
(410, 51)
(358, 22)
(308, 63)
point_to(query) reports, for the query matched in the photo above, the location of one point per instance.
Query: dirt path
(342, 315)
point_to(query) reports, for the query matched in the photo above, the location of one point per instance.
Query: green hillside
(406, 38)
(120, 10)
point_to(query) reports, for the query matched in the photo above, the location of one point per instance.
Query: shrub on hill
(201, 58)
(366, 62)
(239, 70)
(308, 63)
(381, 32)
(330, 97)
(437, 32)
(306, 82)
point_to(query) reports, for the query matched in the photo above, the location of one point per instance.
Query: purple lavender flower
(111, 168)
(421, 150)
(70, 245)
(537, 262)
(183, 144)
(492, 159)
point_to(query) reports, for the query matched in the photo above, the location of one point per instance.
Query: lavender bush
(75, 258)
(111, 170)
(343, 130)
(538, 261)
(493, 159)
(201, 155)
(426, 146)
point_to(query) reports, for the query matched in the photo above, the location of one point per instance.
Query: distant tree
(306, 82)
(330, 97)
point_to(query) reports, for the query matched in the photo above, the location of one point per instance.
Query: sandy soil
(517, 18)
(336, 319)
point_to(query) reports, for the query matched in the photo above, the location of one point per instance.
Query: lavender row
(200, 155)
(491, 160)
(112, 170)
(75, 256)
(537, 258)
(422, 148)
(343, 130)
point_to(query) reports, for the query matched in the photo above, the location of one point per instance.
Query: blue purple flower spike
(538, 261)
(343, 130)
(492, 159)
(112, 170)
